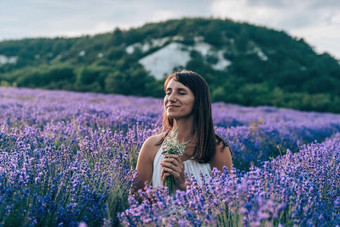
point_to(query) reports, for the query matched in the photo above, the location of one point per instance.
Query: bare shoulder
(152, 141)
(151, 146)
(222, 157)
(221, 148)
(223, 151)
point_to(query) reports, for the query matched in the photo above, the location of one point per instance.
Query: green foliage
(293, 75)
(137, 82)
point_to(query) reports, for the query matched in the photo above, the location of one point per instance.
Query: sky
(316, 21)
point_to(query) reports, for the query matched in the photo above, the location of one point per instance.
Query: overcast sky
(317, 21)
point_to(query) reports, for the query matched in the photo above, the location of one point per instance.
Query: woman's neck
(184, 129)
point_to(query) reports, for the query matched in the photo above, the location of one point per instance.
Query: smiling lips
(171, 106)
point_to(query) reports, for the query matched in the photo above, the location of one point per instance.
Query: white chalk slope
(173, 54)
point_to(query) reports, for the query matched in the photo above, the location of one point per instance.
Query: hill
(242, 63)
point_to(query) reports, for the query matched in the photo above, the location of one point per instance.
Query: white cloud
(322, 38)
(318, 24)
(279, 17)
(163, 15)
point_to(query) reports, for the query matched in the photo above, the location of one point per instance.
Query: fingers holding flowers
(172, 172)
(173, 165)
(164, 175)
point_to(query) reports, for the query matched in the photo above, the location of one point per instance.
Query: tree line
(293, 75)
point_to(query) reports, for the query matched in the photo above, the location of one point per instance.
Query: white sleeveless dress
(192, 169)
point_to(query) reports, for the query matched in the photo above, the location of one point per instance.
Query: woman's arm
(222, 158)
(145, 163)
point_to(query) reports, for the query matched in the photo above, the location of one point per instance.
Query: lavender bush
(69, 157)
(301, 188)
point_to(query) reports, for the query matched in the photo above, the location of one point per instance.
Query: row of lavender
(39, 107)
(265, 131)
(69, 157)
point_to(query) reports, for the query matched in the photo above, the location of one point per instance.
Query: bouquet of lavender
(171, 145)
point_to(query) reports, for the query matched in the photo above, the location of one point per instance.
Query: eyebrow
(178, 89)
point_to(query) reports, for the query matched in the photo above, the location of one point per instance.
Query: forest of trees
(294, 75)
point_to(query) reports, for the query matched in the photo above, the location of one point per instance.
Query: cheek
(165, 102)
(192, 102)
(192, 105)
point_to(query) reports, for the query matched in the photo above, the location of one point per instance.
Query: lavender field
(68, 158)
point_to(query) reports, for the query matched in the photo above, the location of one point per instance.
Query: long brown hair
(202, 116)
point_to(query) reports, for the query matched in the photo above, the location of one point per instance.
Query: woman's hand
(173, 165)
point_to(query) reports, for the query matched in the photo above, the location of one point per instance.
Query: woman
(187, 108)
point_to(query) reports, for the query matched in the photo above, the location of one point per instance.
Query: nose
(172, 97)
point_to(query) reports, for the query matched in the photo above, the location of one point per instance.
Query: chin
(171, 116)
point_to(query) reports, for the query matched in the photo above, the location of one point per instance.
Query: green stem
(170, 183)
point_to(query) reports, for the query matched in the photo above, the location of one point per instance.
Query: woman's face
(178, 101)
